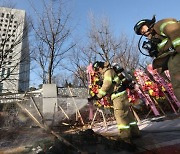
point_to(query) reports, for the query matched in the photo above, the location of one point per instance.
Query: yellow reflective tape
(164, 25)
(103, 93)
(116, 79)
(123, 126)
(133, 123)
(113, 96)
(162, 44)
(108, 78)
(123, 79)
(176, 42)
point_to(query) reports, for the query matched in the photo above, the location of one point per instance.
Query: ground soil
(71, 141)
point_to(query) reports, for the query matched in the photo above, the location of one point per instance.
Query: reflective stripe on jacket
(107, 86)
(110, 82)
(115, 95)
(169, 29)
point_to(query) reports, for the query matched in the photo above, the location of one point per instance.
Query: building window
(8, 72)
(2, 15)
(7, 15)
(3, 71)
(1, 87)
(6, 52)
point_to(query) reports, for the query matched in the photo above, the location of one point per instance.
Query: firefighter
(112, 86)
(164, 46)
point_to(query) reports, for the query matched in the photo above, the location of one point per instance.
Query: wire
(139, 42)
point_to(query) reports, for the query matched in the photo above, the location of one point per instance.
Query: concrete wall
(49, 101)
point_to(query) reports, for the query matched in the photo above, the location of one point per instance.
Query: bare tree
(102, 45)
(101, 39)
(60, 79)
(128, 55)
(14, 50)
(52, 37)
(103, 42)
(77, 65)
(80, 76)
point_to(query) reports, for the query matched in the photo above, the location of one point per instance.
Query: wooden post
(135, 115)
(77, 110)
(104, 119)
(63, 112)
(46, 128)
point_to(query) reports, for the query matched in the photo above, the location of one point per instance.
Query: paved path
(159, 135)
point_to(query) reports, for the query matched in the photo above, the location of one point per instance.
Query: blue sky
(122, 14)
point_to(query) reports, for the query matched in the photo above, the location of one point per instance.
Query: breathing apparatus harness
(124, 76)
(150, 45)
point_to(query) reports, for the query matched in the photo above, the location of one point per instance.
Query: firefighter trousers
(174, 71)
(124, 116)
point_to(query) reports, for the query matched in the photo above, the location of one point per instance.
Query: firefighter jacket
(111, 84)
(168, 32)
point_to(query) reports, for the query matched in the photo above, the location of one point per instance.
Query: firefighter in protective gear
(112, 85)
(166, 35)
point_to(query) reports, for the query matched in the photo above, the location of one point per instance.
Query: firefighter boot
(135, 133)
(125, 135)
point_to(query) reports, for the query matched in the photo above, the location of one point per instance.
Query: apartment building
(14, 51)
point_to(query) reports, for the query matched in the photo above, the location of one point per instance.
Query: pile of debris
(35, 140)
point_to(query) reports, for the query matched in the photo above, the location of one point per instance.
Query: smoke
(69, 106)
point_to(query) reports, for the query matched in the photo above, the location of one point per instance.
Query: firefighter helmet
(142, 22)
(98, 64)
